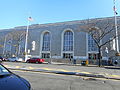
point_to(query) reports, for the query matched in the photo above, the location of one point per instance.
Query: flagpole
(26, 42)
(116, 30)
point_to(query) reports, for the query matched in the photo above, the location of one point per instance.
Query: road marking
(67, 75)
(47, 68)
(115, 75)
(77, 71)
(86, 72)
(31, 68)
(104, 74)
(62, 70)
(118, 76)
(44, 73)
(17, 66)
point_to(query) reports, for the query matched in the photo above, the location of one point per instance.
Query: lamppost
(26, 42)
(26, 39)
(116, 30)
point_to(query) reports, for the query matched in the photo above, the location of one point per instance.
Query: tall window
(45, 55)
(91, 44)
(68, 41)
(46, 42)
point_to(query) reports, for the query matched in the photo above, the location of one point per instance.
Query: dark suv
(1, 59)
(11, 81)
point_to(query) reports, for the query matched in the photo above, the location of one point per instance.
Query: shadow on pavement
(118, 68)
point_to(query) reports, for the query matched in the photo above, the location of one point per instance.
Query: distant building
(62, 40)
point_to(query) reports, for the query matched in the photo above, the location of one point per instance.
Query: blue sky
(15, 12)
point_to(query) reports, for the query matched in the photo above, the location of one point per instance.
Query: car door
(33, 60)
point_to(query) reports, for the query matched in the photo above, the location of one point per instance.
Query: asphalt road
(93, 70)
(47, 81)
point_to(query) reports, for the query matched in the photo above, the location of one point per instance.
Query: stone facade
(57, 40)
(56, 31)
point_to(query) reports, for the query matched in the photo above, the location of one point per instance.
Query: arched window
(46, 42)
(68, 41)
(91, 44)
(45, 53)
(92, 49)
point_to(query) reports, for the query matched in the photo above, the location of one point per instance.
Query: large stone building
(62, 40)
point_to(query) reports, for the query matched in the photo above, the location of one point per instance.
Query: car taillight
(43, 60)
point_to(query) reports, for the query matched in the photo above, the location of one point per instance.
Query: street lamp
(26, 39)
(26, 42)
(116, 30)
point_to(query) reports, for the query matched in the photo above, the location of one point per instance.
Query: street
(52, 81)
(47, 81)
(66, 68)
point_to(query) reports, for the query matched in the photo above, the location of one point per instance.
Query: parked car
(1, 58)
(15, 59)
(11, 81)
(19, 60)
(35, 60)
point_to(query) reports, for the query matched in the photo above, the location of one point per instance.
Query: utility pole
(26, 42)
(26, 39)
(116, 30)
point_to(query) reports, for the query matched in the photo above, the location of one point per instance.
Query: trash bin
(87, 62)
(74, 61)
(116, 62)
(83, 63)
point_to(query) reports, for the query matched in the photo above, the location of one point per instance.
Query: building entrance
(67, 55)
(93, 58)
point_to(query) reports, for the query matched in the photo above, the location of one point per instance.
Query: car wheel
(37, 62)
(40, 62)
(27, 61)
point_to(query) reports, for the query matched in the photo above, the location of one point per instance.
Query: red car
(35, 60)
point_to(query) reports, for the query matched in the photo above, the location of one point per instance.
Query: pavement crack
(71, 82)
(90, 79)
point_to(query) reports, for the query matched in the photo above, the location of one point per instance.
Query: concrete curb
(65, 73)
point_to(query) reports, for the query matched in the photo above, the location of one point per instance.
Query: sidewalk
(62, 68)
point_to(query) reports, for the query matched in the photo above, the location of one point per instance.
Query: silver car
(15, 59)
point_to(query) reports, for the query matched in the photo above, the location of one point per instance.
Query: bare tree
(17, 37)
(102, 32)
(1, 45)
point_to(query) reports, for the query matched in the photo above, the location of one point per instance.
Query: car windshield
(3, 71)
(34, 58)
